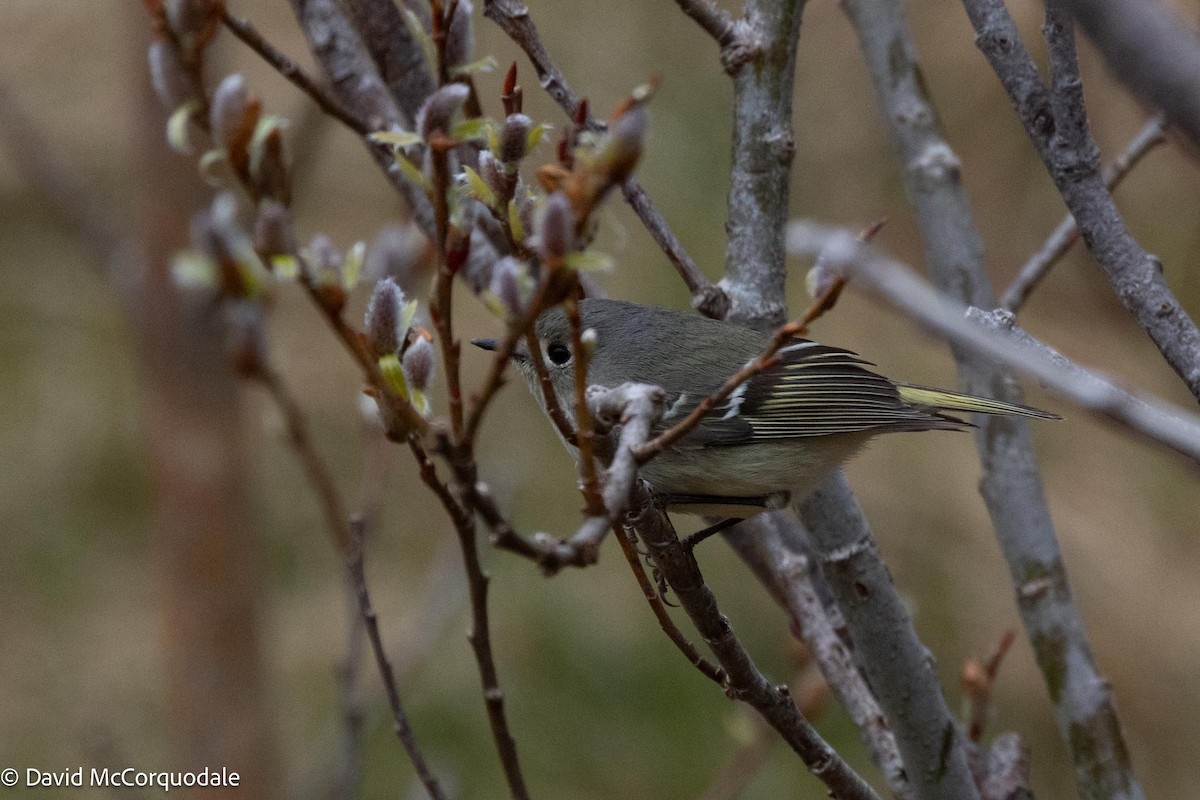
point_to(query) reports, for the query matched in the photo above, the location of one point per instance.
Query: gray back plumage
(813, 390)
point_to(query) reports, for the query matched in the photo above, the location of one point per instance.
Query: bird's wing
(813, 390)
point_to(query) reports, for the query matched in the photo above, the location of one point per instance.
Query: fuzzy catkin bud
(514, 138)
(273, 229)
(228, 110)
(326, 260)
(481, 261)
(507, 277)
(269, 165)
(435, 115)
(171, 82)
(190, 16)
(383, 317)
(556, 230)
(622, 147)
(460, 35)
(418, 364)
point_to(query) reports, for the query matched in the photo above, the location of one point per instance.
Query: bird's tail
(954, 401)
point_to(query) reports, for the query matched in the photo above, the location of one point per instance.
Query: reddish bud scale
(510, 95)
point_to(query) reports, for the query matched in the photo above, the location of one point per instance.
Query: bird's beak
(485, 344)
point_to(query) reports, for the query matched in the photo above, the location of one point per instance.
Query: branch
(744, 680)
(710, 670)
(737, 46)
(763, 146)
(356, 83)
(289, 69)
(400, 60)
(512, 16)
(1057, 125)
(1151, 50)
(1066, 234)
(403, 729)
(896, 285)
(479, 635)
(823, 630)
(898, 667)
(348, 539)
(1012, 485)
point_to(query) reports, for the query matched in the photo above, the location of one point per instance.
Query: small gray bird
(775, 437)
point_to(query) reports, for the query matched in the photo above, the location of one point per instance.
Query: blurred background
(600, 703)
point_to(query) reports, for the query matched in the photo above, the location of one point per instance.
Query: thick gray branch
(760, 179)
(400, 59)
(898, 667)
(1151, 50)
(755, 274)
(1063, 237)
(1012, 484)
(1055, 121)
(785, 556)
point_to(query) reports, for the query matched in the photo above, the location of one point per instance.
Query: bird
(774, 438)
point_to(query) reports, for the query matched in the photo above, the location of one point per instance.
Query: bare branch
(760, 185)
(348, 538)
(1151, 50)
(403, 730)
(479, 635)
(732, 36)
(710, 670)
(823, 630)
(898, 667)
(744, 680)
(895, 284)
(356, 83)
(1012, 486)
(1059, 243)
(513, 18)
(1057, 125)
(289, 69)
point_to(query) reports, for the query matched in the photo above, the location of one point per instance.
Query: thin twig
(585, 434)
(730, 783)
(978, 679)
(716, 21)
(765, 360)
(513, 18)
(242, 29)
(1152, 50)
(546, 386)
(1060, 242)
(555, 286)
(319, 477)
(403, 729)
(665, 622)
(348, 539)
(480, 635)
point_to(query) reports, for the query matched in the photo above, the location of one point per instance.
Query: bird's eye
(559, 353)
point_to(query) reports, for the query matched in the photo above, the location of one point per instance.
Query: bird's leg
(699, 536)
